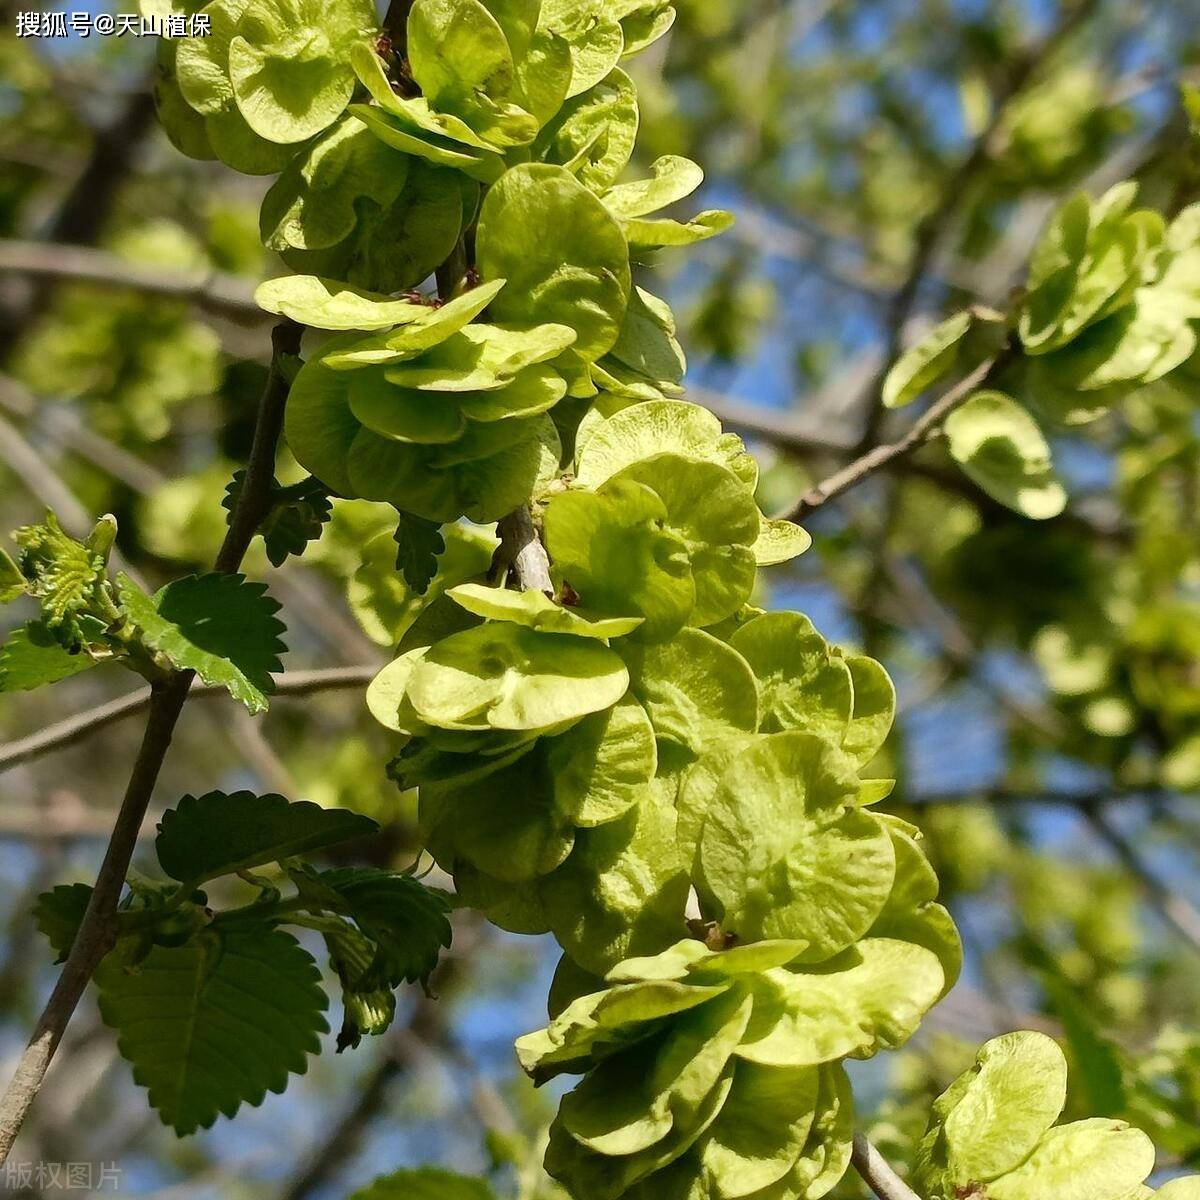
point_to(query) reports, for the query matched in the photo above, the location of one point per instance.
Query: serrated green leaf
(216, 1023)
(406, 920)
(221, 626)
(58, 914)
(220, 833)
(296, 516)
(30, 658)
(418, 544)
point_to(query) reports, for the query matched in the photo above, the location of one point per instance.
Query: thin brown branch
(83, 725)
(957, 191)
(97, 931)
(1176, 911)
(920, 432)
(522, 554)
(215, 292)
(877, 1172)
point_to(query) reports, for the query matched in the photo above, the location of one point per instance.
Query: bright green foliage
(389, 592)
(926, 362)
(425, 1183)
(785, 853)
(217, 1022)
(999, 445)
(993, 1130)
(272, 73)
(58, 913)
(352, 207)
(674, 784)
(562, 253)
(220, 833)
(223, 627)
(717, 1069)
(1111, 296)
(296, 517)
(538, 612)
(80, 624)
(68, 578)
(419, 544)
(404, 921)
(30, 658)
(238, 1002)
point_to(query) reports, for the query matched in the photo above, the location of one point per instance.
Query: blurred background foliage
(889, 161)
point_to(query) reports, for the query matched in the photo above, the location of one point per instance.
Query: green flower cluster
(992, 1133)
(586, 763)
(270, 75)
(1110, 305)
(1110, 302)
(717, 1073)
(635, 753)
(444, 415)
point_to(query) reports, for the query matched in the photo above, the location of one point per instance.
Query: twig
(880, 456)
(1175, 910)
(215, 292)
(521, 552)
(97, 931)
(932, 229)
(68, 431)
(877, 1172)
(83, 725)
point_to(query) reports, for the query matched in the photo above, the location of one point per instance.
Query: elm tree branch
(215, 292)
(925, 427)
(83, 725)
(97, 931)
(877, 1172)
